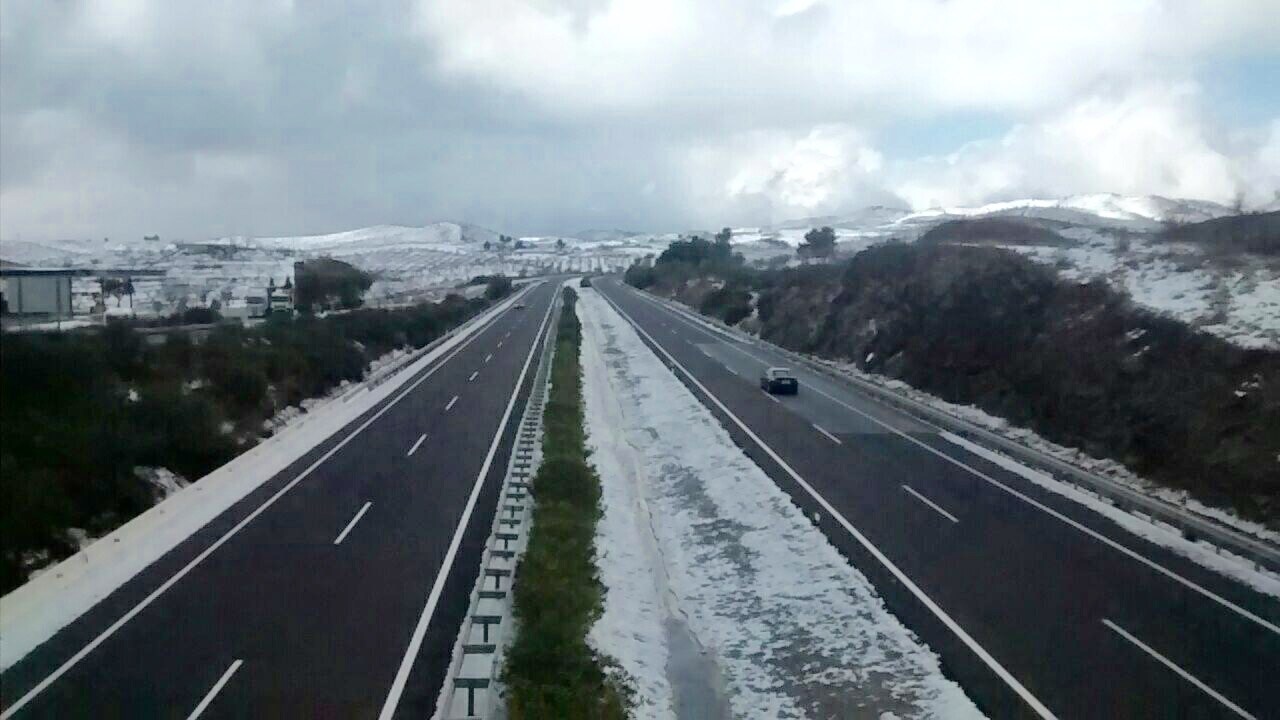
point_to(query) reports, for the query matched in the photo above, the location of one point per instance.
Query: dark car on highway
(779, 381)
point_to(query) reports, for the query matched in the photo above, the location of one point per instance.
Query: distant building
(31, 291)
(46, 292)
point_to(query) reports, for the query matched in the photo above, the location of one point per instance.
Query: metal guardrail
(1191, 525)
(472, 688)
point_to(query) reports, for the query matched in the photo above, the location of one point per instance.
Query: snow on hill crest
(1139, 209)
(439, 233)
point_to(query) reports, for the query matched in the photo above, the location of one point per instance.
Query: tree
(324, 280)
(487, 245)
(560, 244)
(498, 287)
(725, 235)
(818, 243)
(118, 288)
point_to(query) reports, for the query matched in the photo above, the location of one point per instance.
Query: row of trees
(819, 243)
(506, 241)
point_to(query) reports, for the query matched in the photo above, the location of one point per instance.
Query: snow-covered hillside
(1109, 236)
(1145, 211)
(1118, 239)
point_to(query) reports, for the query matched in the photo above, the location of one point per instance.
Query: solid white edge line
(473, 376)
(111, 630)
(414, 449)
(451, 402)
(870, 547)
(1025, 498)
(930, 503)
(420, 631)
(823, 430)
(1174, 667)
(359, 514)
(208, 698)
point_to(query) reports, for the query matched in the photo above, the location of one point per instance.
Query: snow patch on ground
(165, 481)
(1236, 298)
(631, 628)
(791, 628)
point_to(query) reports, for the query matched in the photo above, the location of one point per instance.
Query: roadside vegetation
(1078, 363)
(551, 672)
(325, 284)
(89, 420)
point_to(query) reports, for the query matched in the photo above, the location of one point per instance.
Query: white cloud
(1149, 141)
(822, 170)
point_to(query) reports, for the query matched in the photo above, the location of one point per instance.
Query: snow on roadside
(1109, 469)
(1204, 554)
(789, 626)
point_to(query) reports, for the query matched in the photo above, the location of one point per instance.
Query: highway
(337, 588)
(1037, 606)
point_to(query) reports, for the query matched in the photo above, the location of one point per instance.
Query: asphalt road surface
(1036, 605)
(308, 610)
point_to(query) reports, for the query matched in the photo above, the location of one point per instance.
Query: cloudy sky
(267, 117)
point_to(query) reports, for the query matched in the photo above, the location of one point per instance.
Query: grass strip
(551, 671)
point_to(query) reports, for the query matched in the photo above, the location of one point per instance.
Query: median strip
(551, 671)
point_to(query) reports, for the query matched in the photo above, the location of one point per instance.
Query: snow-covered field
(1110, 237)
(410, 264)
(723, 599)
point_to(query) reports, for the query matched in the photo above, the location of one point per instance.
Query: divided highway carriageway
(334, 590)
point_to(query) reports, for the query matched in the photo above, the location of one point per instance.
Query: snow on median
(696, 541)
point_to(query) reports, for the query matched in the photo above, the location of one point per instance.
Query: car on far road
(779, 381)
(519, 306)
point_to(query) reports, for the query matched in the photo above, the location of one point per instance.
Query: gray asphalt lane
(320, 629)
(1038, 582)
(815, 399)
